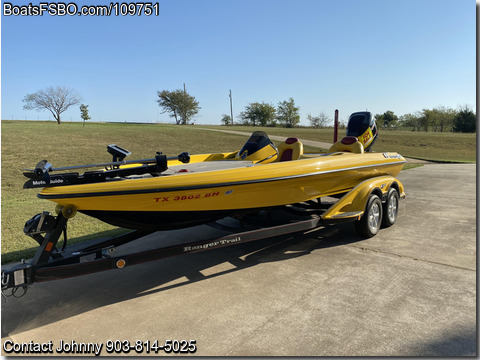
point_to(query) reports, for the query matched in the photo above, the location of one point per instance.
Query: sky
(351, 55)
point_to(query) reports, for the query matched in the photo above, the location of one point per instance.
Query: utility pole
(184, 110)
(231, 107)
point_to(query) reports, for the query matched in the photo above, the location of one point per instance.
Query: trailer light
(120, 263)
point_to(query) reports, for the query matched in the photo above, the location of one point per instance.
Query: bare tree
(54, 99)
(319, 121)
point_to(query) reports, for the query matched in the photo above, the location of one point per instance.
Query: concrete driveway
(409, 291)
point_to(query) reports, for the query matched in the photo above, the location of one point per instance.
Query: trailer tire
(369, 225)
(390, 208)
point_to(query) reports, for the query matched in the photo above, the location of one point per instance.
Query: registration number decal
(186, 197)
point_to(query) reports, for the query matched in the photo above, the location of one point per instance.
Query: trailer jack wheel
(369, 225)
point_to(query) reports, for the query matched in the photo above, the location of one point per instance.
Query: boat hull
(188, 199)
(161, 220)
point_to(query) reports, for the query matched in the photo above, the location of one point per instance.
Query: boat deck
(207, 166)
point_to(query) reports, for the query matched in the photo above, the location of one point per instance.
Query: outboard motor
(362, 126)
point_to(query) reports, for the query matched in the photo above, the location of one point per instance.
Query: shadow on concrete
(54, 301)
(454, 343)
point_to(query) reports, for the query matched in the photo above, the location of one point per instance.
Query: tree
(54, 99)
(84, 113)
(465, 121)
(181, 105)
(319, 121)
(428, 118)
(387, 119)
(410, 120)
(439, 119)
(226, 120)
(418, 121)
(445, 118)
(390, 118)
(287, 113)
(258, 114)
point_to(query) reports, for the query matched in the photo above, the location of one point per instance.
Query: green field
(24, 143)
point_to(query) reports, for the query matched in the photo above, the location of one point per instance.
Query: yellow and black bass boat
(161, 193)
(165, 193)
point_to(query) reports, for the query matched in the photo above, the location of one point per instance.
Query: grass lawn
(24, 143)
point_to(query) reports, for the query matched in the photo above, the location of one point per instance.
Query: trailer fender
(352, 205)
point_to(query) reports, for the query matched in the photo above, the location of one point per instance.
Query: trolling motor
(46, 228)
(41, 176)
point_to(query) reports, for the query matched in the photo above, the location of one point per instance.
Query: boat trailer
(50, 263)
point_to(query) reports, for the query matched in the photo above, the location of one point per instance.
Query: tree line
(183, 107)
(439, 119)
(286, 114)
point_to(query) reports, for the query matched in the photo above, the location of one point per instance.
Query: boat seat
(291, 149)
(348, 144)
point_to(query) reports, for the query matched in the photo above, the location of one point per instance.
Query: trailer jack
(23, 274)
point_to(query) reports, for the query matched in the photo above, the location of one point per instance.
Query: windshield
(257, 141)
(258, 148)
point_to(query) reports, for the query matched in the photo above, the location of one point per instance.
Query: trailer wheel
(390, 208)
(369, 225)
